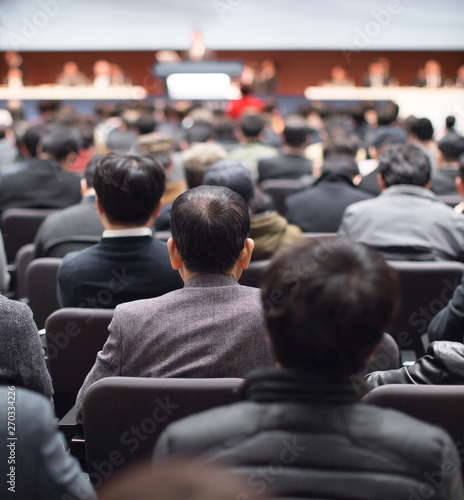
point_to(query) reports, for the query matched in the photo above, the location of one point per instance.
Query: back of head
(209, 226)
(198, 158)
(450, 121)
(199, 132)
(404, 164)
(327, 303)
(295, 131)
(58, 142)
(451, 146)
(129, 187)
(231, 174)
(422, 128)
(342, 164)
(387, 114)
(32, 138)
(340, 142)
(161, 146)
(90, 169)
(251, 125)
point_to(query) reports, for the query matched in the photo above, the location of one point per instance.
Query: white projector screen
(80, 25)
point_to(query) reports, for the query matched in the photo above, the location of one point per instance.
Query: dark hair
(60, 141)
(404, 164)
(129, 187)
(344, 164)
(295, 131)
(32, 138)
(199, 132)
(145, 124)
(223, 130)
(450, 121)
(422, 128)
(341, 142)
(231, 174)
(251, 125)
(90, 169)
(451, 146)
(327, 302)
(461, 167)
(387, 114)
(209, 226)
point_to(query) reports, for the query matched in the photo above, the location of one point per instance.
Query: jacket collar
(277, 385)
(334, 176)
(211, 280)
(409, 189)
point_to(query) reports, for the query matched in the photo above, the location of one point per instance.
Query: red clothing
(235, 109)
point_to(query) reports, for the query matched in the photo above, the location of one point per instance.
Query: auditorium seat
(41, 276)
(425, 288)
(23, 257)
(73, 336)
(124, 416)
(252, 275)
(279, 189)
(19, 227)
(62, 246)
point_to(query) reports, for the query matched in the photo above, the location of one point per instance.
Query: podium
(202, 80)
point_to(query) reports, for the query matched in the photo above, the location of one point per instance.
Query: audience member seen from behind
(269, 230)
(450, 148)
(320, 208)
(35, 464)
(213, 327)
(327, 303)
(406, 221)
(291, 162)
(128, 263)
(78, 222)
(45, 182)
(460, 185)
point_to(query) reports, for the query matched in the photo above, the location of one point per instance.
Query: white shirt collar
(133, 231)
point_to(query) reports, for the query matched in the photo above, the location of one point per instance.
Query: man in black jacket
(300, 433)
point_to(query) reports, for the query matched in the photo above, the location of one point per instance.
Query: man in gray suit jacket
(213, 327)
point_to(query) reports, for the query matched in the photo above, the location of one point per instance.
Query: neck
(293, 150)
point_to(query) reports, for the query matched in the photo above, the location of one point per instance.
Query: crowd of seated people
(179, 309)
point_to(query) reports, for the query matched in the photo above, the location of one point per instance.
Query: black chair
(124, 416)
(441, 405)
(41, 277)
(73, 337)
(426, 287)
(279, 189)
(23, 257)
(19, 227)
(253, 274)
(62, 246)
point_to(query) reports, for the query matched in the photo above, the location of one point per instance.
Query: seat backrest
(279, 189)
(426, 288)
(41, 277)
(441, 405)
(19, 227)
(253, 274)
(62, 246)
(124, 416)
(23, 257)
(73, 337)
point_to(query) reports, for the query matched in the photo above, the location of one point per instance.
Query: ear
(83, 187)
(381, 182)
(174, 256)
(459, 186)
(99, 206)
(245, 255)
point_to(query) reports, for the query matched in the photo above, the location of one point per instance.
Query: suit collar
(211, 280)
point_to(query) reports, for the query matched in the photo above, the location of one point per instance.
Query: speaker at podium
(202, 80)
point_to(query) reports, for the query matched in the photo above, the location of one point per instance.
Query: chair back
(254, 272)
(279, 189)
(62, 246)
(19, 227)
(73, 338)
(426, 288)
(124, 416)
(23, 257)
(41, 277)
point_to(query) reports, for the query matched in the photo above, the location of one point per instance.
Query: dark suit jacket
(213, 327)
(444, 180)
(78, 220)
(43, 184)
(320, 208)
(284, 166)
(43, 469)
(370, 182)
(114, 271)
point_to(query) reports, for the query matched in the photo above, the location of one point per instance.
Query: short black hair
(387, 114)
(451, 146)
(199, 132)
(129, 187)
(343, 164)
(59, 141)
(327, 303)
(422, 128)
(209, 226)
(231, 174)
(340, 142)
(90, 169)
(450, 121)
(295, 132)
(251, 125)
(32, 138)
(404, 164)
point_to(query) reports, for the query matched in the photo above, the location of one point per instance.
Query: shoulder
(14, 310)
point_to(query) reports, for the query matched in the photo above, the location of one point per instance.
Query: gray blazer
(213, 327)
